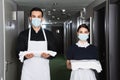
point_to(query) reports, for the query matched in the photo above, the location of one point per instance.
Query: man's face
(36, 14)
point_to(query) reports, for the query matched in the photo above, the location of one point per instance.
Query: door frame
(95, 22)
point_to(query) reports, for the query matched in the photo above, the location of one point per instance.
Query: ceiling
(54, 9)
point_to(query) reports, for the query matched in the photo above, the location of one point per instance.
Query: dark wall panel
(114, 1)
(113, 41)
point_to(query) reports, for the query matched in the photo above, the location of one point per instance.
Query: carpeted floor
(58, 68)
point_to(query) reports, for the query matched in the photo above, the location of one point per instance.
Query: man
(33, 45)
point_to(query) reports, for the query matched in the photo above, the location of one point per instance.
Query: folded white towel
(86, 64)
(36, 54)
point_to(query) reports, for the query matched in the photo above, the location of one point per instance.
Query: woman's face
(83, 34)
(83, 30)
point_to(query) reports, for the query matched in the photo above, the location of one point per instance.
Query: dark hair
(84, 26)
(36, 9)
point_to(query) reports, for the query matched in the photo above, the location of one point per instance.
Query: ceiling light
(58, 18)
(55, 22)
(49, 21)
(58, 31)
(63, 10)
(84, 9)
(43, 9)
(53, 16)
(49, 12)
(54, 9)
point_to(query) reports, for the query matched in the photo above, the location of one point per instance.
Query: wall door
(1, 41)
(59, 35)
(11, 34)
(100, 37)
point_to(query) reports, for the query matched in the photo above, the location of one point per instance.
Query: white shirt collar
(79, 44)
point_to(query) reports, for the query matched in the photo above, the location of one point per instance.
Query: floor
(58, 68)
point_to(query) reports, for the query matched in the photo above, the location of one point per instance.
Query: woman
(82, 57)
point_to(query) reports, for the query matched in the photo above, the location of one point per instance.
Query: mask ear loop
(29, 23)
(29, 35)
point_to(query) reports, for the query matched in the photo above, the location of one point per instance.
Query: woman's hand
(68, 63)
(29, 55)
(45, 55)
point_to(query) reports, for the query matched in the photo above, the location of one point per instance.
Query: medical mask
(83, 37)
(36, 22)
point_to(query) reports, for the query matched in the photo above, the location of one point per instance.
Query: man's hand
(29, 55)
(45, 55)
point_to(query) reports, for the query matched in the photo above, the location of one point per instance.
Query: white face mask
(36, 22)
(83, 37)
